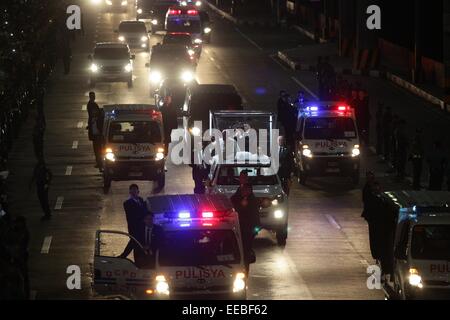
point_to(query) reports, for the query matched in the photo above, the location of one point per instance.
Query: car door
(114, 275)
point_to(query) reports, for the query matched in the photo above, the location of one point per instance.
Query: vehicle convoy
(327, 142)
(261, 169)
(203, 98)
(170, 61)
(199, 255)
(134, 144)
(111, 62)
(196, 3)
(134, 33)
(154, 11)
(185, 19)
(418, 251)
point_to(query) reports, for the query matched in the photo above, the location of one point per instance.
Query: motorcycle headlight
(198, 3)
(144, 38)
(162, 287)
(139, 11)
(196, 131)
(207, 30)
(187, 76)
(154, 22)
(306, 152)
(94, 68)
(183, 3)
(278, 214)
(239, 282)
(155, 76)
(121, 38)
(356, 151)
(198, 41)
(191, 52)
(128, 67)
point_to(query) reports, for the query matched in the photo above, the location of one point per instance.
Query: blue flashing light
(184, 215)
(313, 108)
(414, 208)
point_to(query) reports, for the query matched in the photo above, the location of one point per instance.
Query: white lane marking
(333, 222)
(279, 63)
(59, 203)
(305, 87)
(249, 40)
(80, 125)
(212, 59)
(83, 108)
(69, 170)
(296, 273)
(46, 245)
(33, 294)
(75, 145)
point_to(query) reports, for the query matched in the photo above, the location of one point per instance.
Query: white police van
(185, 19)
(327, 142)
(200, 254)
(420, 247)
(133, 144)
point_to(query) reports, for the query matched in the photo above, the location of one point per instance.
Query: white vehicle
(328, 142)
(134, 144)
(111, 62)
(421, 244)
(134, 33)
(196, 3)
(200, 254)
(187, 20)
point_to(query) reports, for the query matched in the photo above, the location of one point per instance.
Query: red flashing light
(207, 224)
(192, 12)
(207, 214)
(174, 11)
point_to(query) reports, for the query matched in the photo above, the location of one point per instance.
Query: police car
(134, 144)
(111, 62)
(328, 141)
(185, 19)
(420, 245)
(200, 254)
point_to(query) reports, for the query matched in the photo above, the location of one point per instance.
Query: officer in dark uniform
(416, 157)
(43, 177)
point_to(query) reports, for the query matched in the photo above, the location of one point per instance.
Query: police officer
(96, 136)
(437, 163)
(43, 177)
(92, 106)
(286, 164)
(379, 127)
(416, 157)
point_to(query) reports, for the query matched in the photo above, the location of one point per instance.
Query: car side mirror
(133, 57)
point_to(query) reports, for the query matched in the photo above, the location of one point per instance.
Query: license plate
(333, 170)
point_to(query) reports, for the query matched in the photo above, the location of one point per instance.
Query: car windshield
(431, 242)
(132, 27)
(199, 248)
(135, 132)
(229, 175)
(330, 128)
(181, 25)
(111, 54)
(183, 39)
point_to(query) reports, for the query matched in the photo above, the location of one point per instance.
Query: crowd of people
(33, 36)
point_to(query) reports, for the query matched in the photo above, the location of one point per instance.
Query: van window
(134, 132)
(329, 128)
(431, 242)
(199, 248)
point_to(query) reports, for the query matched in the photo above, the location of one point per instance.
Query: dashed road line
(333, 222)
(69, 170)
(279, 63)
(304, 87)
(75, 145)
(46, 245)
(59, 203)
(249, 40)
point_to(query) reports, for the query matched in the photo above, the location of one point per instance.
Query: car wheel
(281, 236)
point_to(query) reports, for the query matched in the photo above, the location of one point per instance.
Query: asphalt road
(327, 252)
